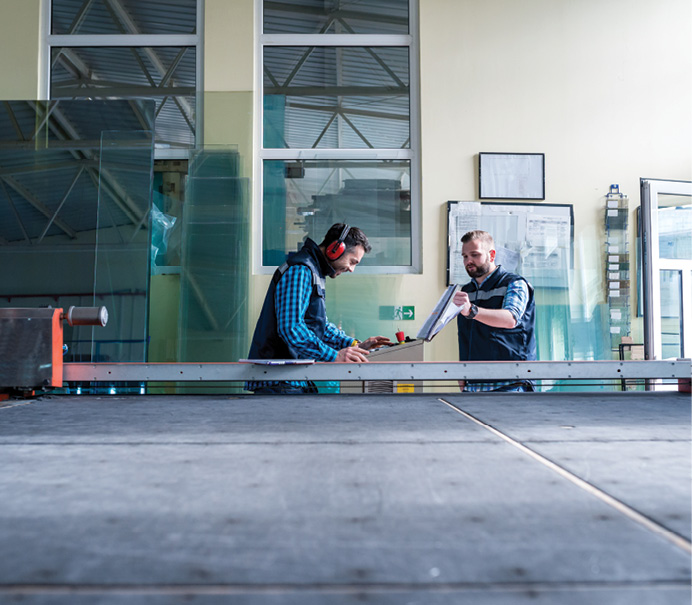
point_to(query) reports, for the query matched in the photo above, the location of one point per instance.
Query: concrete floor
(416, 499)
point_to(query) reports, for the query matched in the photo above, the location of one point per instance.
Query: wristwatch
(473, 311)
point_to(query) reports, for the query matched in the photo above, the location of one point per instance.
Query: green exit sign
(398, 313)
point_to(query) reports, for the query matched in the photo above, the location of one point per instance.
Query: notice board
(533, 240)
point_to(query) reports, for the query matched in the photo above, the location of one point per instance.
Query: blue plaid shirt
(291, 301)
(515, 301)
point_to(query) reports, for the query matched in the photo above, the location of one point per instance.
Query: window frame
(412, 153)
(136, 41)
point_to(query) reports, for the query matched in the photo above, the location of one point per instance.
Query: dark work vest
(266, 342)
(478, 342)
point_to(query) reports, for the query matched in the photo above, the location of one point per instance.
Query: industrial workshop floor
(402, 499)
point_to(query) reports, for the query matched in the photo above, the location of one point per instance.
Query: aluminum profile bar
(404, 371)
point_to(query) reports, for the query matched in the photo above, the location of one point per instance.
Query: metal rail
(401, 371)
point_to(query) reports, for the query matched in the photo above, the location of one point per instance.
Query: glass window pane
(166, 74)
(305, 198)
(74, 218)
(124, 17)
(675, 227)
(336, 97)
(121, 273)
(336, 17)
(671, 321)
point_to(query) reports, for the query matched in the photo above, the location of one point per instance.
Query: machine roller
(31, 345)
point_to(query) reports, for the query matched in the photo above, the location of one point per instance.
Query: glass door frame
(652, 264)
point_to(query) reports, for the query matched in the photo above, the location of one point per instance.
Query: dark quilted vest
(266, 342)
(478, 342)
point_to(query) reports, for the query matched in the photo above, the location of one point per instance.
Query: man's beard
(478, 271)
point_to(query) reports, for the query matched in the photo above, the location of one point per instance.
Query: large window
(131, 49)
(340, 127)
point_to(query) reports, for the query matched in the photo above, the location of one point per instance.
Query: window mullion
(345, 74)
(335, 40)
(268, 153)
(100, 40)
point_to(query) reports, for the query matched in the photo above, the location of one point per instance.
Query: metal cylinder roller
(87, 316)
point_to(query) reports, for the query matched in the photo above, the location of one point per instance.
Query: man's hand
(374, 342)
(461, 299)
(495, 318)
(352, 355)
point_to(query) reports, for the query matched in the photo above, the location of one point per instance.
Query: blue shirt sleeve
(291, 301)
(336, 338)
(516, 298)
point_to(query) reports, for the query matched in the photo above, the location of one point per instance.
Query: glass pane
(124, 17)
(214, 266)
(675, 226)
(373, 310)
(166, 240)
(305, 198)
(48, 251)
(121, 275)
(336, 97)
(671, 311)
(336, 17)
(55, 173)
(166, 74)
(576, 316)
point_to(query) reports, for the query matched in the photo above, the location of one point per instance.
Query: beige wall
(21, 46)
(229, 76)
(602, 87)
(229, 45)
(229, 99)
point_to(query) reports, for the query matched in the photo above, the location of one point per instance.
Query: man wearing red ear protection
(293, 322)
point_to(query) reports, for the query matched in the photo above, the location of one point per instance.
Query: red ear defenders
(338, 247)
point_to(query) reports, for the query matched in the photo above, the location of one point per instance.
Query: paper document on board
(445, 310)
(448, 315)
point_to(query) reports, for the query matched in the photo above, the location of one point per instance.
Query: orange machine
(31, 344)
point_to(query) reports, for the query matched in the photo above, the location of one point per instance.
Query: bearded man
(496, 322)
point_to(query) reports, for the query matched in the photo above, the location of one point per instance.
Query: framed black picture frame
(511, 176)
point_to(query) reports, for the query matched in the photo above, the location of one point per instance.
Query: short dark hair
(483, 236)
(355, 237)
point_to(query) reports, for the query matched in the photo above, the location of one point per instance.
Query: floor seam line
(383, 587)
(612, 501)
